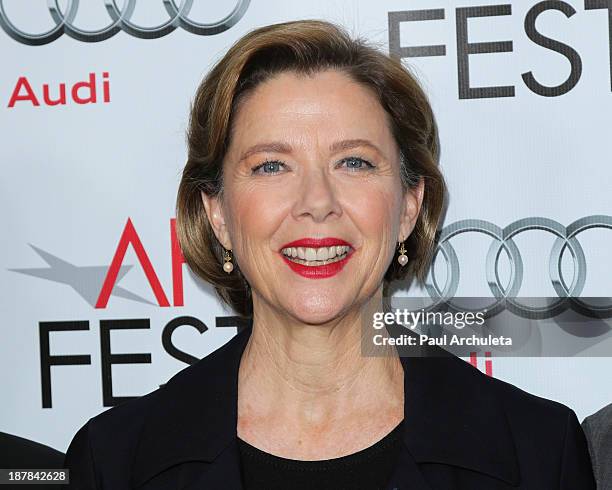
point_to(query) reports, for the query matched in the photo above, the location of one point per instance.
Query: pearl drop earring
(403, 258)
(227, 266)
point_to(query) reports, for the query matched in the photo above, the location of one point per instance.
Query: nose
(317, 197)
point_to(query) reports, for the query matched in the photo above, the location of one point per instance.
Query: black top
(368, 469)
(462, 430)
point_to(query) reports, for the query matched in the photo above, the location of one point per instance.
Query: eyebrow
(279, 147)
(353, 143)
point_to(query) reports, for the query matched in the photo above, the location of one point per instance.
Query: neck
(316, 374)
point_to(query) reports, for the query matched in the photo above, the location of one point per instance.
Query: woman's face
(332, 173)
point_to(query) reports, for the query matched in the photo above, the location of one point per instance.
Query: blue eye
(273, 167)
(356, 163)
(270, 167)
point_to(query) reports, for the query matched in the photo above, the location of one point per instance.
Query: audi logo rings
(566, 237)
(120, 21)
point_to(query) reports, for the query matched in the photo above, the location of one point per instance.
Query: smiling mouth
(314, 257)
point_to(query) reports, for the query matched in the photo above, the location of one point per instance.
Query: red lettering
(84, 92)
(91, 85)
(177, 266)
(106, 87)
(488, 364)
(473, 359)
(29, 95)
(62, 95)
(128, 236)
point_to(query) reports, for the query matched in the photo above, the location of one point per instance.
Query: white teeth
(319, 254)
(311, 254)
(322, 253)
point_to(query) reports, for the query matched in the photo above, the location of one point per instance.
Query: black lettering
(548, 43)
(603, 4)
(109, 359)
(47, 360)
(395, 47)
(465, 48)
(238, 322)
(169, 329)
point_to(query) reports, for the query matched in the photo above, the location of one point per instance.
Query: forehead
(327, 105)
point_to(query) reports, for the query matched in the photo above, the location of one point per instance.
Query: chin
(317, 310)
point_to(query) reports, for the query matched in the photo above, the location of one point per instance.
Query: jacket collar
(451, 415)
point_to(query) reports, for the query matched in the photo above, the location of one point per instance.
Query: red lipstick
(317, 271)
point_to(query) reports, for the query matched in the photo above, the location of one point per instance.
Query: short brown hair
(304, 47)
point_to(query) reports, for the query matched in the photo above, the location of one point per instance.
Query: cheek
(255, 211)
(374, 207)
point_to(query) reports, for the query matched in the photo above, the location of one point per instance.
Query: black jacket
(463, 430)
(19, 453)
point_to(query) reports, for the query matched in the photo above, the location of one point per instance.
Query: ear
(216, 218)
(411, 207)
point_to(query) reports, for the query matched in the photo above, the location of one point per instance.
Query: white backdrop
(76, 177)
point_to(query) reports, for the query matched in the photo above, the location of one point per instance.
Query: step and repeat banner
(97, 305)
